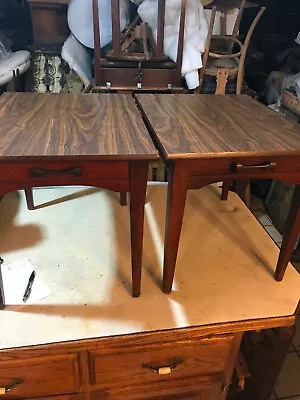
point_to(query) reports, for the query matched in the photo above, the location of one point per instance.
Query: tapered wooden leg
(225, 190)
(123, 198)
(177, 177)
(291, 231)
(29, 198)
(2, 299)
(138, 186)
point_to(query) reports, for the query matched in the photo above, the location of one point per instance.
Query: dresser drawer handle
(41, 173)
(269, 166)
(224, 388)
(7, 388)
(165, 370)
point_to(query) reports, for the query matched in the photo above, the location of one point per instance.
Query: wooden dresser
(91, 340)
(49, 21)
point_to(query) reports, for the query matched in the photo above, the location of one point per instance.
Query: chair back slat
(237, 24)
(97, 47)
(115, 14)
(180, 41)
(207, 47)
(161, 27)
(240, 76)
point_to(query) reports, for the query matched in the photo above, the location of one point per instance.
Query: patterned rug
(51, 74)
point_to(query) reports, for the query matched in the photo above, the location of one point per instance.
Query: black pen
(29, 287)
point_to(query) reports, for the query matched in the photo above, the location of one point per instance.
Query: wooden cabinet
(175, 364)
(49, 20)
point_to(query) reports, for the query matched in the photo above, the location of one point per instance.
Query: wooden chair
(124, 68)
(221, 60)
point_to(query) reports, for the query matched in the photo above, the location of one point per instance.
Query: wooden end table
(208, 138)
(77, 139)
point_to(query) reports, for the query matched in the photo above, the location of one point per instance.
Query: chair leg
(123, 198)
(225, 189)
(2, 298)
(29, 198)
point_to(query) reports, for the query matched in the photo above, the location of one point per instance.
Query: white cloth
(78, 58)
(80, 20)
(19, 60)
(194, 38)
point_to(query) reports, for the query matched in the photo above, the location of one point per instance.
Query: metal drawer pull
(269, 166)
(41, 173)
(7, 388)
(224, 388)
(162, 370)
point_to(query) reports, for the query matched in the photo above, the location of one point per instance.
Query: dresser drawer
(202, 388)
(39, 376)
(78, 396)
(175, 360)
(245, 166)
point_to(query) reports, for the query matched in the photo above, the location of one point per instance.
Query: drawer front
(202, 388)
(245, 166)
(40, 376)
(166, 361)
(63, 172)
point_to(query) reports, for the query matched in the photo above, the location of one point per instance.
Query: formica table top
(202, 126)
(98, 126)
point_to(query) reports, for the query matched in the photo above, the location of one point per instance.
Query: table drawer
(39, 376)
(74, 172)
(166, 361)
(245, 166)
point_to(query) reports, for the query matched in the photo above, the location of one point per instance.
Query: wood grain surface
(67, 125)
(217, 126)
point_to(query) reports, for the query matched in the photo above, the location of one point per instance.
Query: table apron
(205, 171)
(112, 175)
(197, 181)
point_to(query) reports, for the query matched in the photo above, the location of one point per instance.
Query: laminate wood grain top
(203, 126)
(73, 124)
